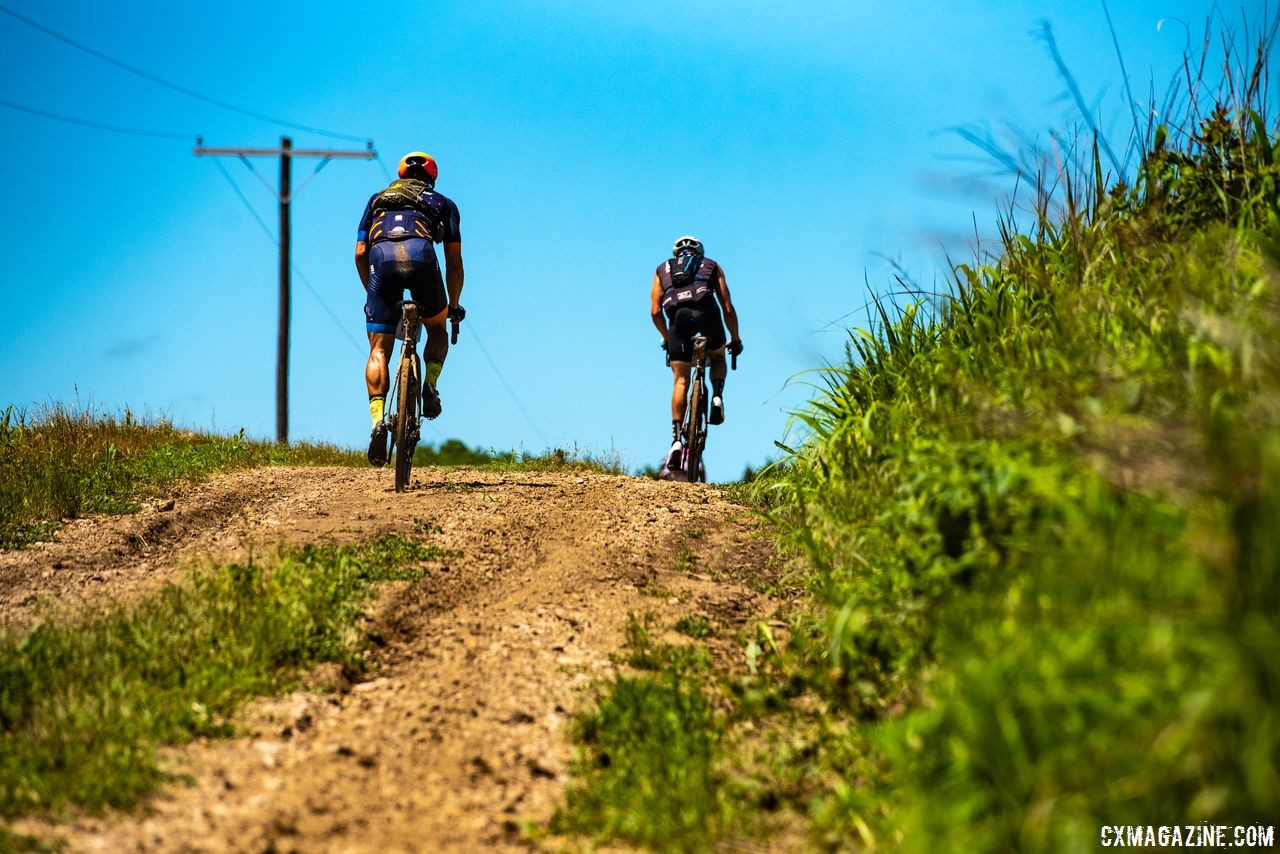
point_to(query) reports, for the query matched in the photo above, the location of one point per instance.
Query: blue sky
(806, 143)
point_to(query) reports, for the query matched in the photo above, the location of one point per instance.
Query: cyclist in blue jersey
(689, 291)
(394, 252)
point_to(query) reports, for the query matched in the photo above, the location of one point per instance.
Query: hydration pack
(399, 212)
(689, 279)
(404, 194)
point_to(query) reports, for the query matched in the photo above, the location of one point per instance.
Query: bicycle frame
(695, 416)
(403, 414)
(697, 407)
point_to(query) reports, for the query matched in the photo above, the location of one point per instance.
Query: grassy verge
(1040, 518)
(84, 706)
(647, 765)
(67, 463)
(1039, 523)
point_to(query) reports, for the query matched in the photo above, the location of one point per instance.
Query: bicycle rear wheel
(406, 421)
(697, 430)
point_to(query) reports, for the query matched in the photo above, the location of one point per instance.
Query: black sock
(717, 386)
(675, 430)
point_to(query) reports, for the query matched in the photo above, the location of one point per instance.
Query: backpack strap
(687, 280)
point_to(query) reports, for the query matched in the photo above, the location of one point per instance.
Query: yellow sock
(433, 372)
(376, 405)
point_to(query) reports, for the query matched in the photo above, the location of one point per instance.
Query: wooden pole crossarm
(203, 151)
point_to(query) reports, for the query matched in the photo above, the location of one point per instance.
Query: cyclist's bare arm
(726, 304)
(655, 307)
(453, 273)
(362, 262)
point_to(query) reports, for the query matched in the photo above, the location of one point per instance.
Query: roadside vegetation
(85, 705)
(66, 463)
(1038, 520)
(650, 740)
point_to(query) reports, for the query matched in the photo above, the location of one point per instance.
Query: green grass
(686, 561)
(85, 705)
(10, 841)
(646, 768)
(694, 626)
(64, 463)
(1040, 516)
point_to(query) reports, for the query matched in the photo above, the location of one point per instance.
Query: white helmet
(688, 243)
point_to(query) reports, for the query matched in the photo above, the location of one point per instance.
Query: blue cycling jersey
(435, 214)
(401, 257)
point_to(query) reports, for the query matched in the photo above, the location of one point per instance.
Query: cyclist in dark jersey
(393, 252)
(689, 291)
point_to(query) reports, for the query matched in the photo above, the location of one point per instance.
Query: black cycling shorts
(687, 321)
(397, 265)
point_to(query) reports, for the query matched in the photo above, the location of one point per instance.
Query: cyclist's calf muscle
(376, 374)
(680, 389)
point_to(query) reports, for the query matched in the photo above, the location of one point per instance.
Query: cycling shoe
(431, 407)
(378, 446)
(675, 456)
(717, 410)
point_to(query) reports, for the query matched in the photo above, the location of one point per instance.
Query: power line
(146, 75)
(510, 391)
(92, 124)
(385, 171)
(270, 235)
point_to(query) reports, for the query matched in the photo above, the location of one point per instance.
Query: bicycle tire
(405, 414)
(697, 431)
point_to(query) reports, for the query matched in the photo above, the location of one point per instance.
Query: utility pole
(286, 286)
(287, 154)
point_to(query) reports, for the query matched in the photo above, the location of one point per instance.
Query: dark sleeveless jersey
(687, 280)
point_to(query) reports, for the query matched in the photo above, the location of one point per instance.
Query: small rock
(167, 506)
(540, 769)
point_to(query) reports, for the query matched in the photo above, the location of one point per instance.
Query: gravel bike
(695, 417)
(404, 404)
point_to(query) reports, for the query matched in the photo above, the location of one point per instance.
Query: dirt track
(457, 738)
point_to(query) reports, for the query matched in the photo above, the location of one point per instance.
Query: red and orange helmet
(416, 161)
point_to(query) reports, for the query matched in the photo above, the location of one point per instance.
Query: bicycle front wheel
(406, 422)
